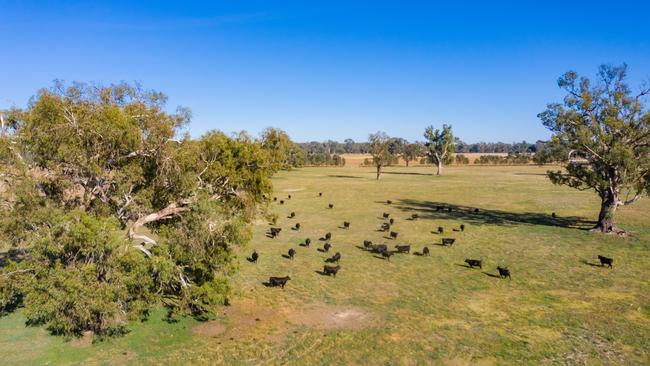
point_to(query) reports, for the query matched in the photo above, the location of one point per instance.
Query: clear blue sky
(329, 69)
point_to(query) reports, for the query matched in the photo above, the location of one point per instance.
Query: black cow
(282, 202)
(307, 242)
(385, 226)
(379, 248)
(346, 224)
(393, 234)
(553, 215)
(289, 197)
(605, 261)
(448, 241)
(292, 253)
(254, 256)
(476, 210)
(389, 202)
(504, 272)
(331, 205)
(335, 258)
(275, 198)
(462, 227)
(331, 270)
(391, 221)
(328, 236)
(403, 248)
(274, 231)
(441, 230)
(292, 215)
(386, 254)
(386, 215)
(297, 227)
(320, 194)
(415, 216)
(367, 244)
(474, 263)
(278, 281)
(327, 247)
(425, 251)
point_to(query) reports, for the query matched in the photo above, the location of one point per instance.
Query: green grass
(557, 309)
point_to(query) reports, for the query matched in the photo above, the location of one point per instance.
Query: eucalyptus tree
(605, 129)
(411, 152)
(110, 209)
(440, 146)
(380, 149)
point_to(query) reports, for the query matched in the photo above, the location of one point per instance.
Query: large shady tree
(440, 144)
(380, 149)
(108, 210)
(604, 129)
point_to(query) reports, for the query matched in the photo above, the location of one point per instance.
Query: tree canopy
(604, 128)
(440, 146)
(109, 209)
(380, 149)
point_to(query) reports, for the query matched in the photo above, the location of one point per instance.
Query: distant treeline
(349, 146)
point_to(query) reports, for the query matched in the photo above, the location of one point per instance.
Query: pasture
(560, 307)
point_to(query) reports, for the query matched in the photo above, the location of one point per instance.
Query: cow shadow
(491, 275)
(586, 262)
(321, 273)
(285, 256)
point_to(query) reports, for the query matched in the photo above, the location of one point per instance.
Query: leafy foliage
(111, 212)
(605, 131)
(440, 145)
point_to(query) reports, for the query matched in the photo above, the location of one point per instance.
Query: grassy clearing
(557, 309)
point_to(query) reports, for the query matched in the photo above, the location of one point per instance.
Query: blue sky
(330, 69)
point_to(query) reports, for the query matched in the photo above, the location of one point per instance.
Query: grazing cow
(297, 227)
(320, 194)
(504, 272)
(386, 215)
(254, 256)
(274, 231)
(474, 263)
(415, 216)
(403, 248)
(425, 251)
(346, 224)
(331, 270)
(282, 202)
(307, 242)
(462, 227)
(393, 234)
(379, 248)
(389, 202)
(553, 215)
(386, 254)
(292, 215)
(391, 221)
(441, 230)
(327, 247)
(278, 281)
(605, 261)
(448, 241)
(328, 236)
(289, 197)
(331, 205)
(292, 253)
(367, 244)
(335, 258)
(385, 226)
(275, 198)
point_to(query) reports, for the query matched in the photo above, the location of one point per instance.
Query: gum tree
(440, 146)
(380, 149)
(605, 130)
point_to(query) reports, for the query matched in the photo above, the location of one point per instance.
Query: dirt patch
(84, 341)
(332, 317)
(212, 328)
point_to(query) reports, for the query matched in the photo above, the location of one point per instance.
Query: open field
(559, 307)
(355, 160)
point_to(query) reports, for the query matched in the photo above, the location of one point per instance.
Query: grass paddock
(559, 308)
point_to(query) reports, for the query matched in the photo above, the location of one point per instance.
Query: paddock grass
(559, 308)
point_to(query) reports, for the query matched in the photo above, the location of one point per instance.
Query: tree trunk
(407, 163)
(608, 207)
(439, 167)
(378, 171)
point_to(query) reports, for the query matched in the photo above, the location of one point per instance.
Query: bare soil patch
(212, 328)
(332, 317)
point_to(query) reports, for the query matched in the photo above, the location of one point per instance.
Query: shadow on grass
(285, 256)
(407, 173)
(586, 262)
(13, 255)
(344, 176)
(431, 210)
(322, 273)
(491, 275)
(465, 265)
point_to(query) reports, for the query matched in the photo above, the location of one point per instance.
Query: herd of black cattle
(378, 249)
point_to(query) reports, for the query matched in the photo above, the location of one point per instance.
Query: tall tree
(411, 152)
(440, 145)
(111, 211)
(605, 129)
(285, 154)
(380, 150)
